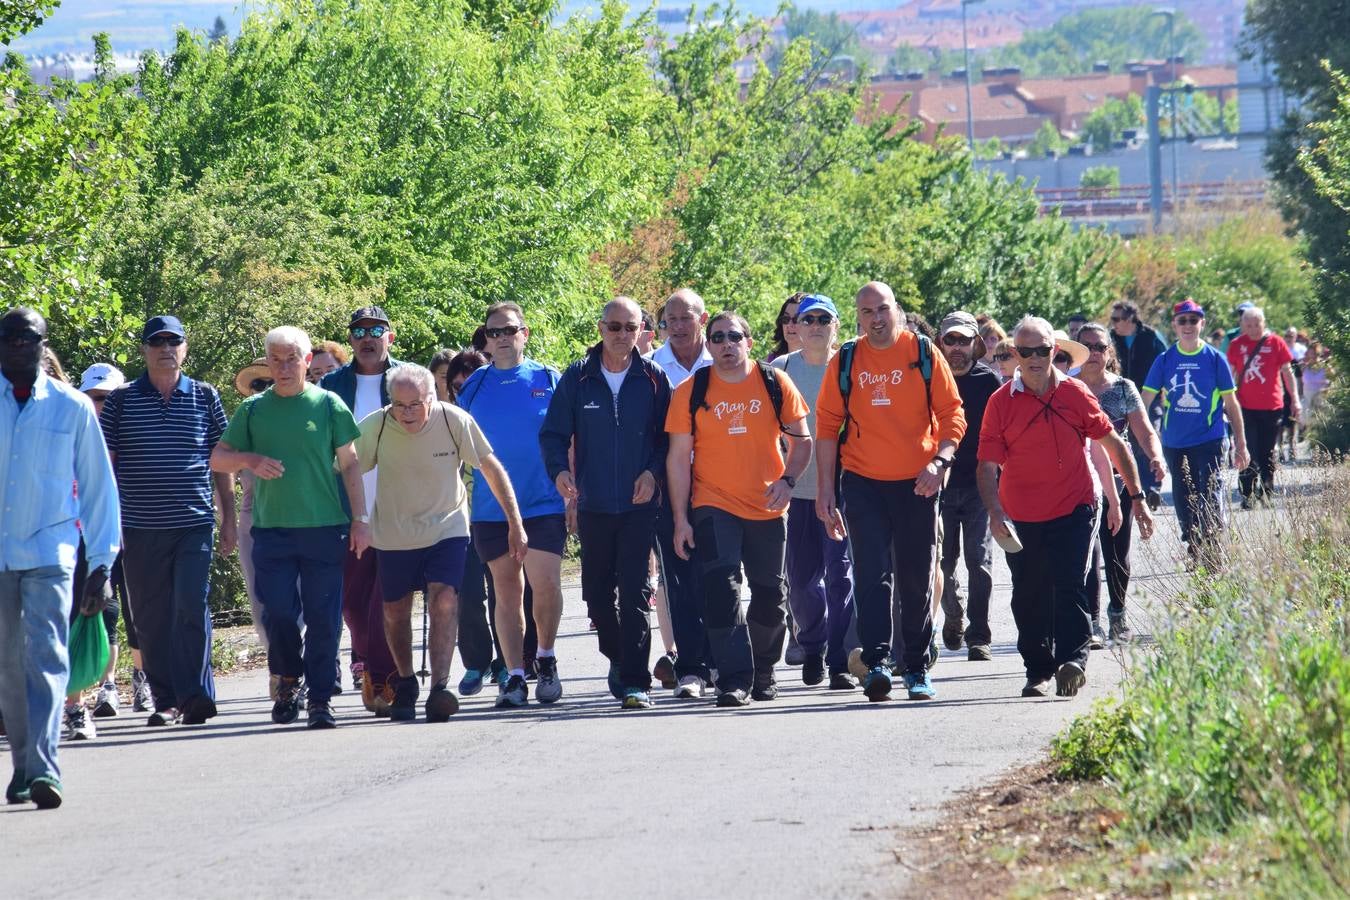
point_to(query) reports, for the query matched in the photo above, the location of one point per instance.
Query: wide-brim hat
(1078, 354)
(243, 381)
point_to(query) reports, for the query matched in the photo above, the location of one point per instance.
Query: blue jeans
(168, 573)
(315, 556)
(820, 586)
(34, 665)
(965, 523)
(1197, 493)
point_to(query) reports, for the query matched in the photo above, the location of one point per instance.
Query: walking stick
(424, 672)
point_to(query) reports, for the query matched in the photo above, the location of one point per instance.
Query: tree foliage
(1114, 36)
(1105, 124)
(21, 16)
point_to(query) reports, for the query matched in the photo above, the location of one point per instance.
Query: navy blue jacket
(343, 383)
(614, 443)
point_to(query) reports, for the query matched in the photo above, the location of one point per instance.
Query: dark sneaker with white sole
(979, 653)
(404, 707)
(548, 686)
(1069, 679)
(319, 715)
(287, 708)
(514, 693)
(1036, 687)
(734, 698)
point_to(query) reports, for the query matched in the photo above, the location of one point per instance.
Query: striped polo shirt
(161, 451)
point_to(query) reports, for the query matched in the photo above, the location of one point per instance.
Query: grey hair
(1255, 312)
(414, 376)
(1036, 324)
(288, 336)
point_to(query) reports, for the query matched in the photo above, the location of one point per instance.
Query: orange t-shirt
(736, 452)
(892, 436)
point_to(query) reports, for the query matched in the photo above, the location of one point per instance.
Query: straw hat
(1078, 354)
(243, 382)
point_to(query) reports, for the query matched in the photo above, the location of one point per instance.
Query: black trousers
(475, 637)
(893, 535)
(614, 552)
(684, 595)
(1049, 598)
(1263, 437)
(1111, 553)
(746, 647)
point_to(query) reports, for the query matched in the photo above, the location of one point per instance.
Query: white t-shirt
(367, 402)
(615, 381)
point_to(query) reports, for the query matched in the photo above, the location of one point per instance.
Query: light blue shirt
(47, 447)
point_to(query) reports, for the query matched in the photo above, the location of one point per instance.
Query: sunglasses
(507, 330)
(1029, 352)
(1002, 357)
(722, 337)
(786, 319)
(161, 340)
(1121, 319)
(1187, 320)
(616, 327)
(1063, 359)
(258, 385)
(957, 340)
(1097, 348)
(375, 331)
(815, 319)
(21, 338)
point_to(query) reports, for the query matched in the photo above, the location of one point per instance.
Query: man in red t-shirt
(1260, 361)
(1035, 430)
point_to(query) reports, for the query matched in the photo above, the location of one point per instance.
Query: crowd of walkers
(855, 486)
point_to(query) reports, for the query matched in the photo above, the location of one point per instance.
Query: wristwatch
(942, 462)
(791, 482)
(363, 519)
(1137, 497)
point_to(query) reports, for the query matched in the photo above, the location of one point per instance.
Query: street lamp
(1171, 14)
(970, 109)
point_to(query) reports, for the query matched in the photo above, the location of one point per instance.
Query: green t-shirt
(302, 432)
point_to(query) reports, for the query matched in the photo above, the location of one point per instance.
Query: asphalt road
(806, 796)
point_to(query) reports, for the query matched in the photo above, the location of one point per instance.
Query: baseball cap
(368, 313)
(1188, 307)
(162, 325)
(961, 322)
(1243, 307)
(816, 302)
(102, 377)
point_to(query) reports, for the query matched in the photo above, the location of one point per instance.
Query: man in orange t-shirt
(895, 455)
(741, 487)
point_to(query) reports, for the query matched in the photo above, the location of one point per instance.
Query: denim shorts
(403, 571)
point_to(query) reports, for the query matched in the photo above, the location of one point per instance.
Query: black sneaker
(664, 671)
(733, 698)
(319, 715)
(404, 707)
(979, 653)
(1153, 498)
(813, 669)
(287, 708)
(766, 688)
(953, 632)
(514, 693)
(163, 717)
(198, 709)
(1069, 679)
(1120, 632)
(842, 681)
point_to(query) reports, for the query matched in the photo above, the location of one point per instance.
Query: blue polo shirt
(1193, 386)
(162, 451)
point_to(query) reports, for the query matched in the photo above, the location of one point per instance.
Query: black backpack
(698, 397)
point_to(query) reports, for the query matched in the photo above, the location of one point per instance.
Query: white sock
(541, 653)
(520, 672)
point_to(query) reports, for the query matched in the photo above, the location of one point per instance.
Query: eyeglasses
(160, 340)
(258, 385)
(815, 319)
(507, 330)
(952, 339)
(418, 406)
(375, 331)
(1097, 348)
(787, 319)
(1121, 319)
(1029, 352)
(1187, 320)
(616, 327)
(721, 337)
(1063, 359)
(21, 338)
(1002, 357)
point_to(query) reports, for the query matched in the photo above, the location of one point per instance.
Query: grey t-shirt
(807, 378)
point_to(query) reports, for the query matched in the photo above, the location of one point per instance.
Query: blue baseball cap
(816, 302)
(162, 325)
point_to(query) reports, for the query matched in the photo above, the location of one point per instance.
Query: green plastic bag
(88, 652)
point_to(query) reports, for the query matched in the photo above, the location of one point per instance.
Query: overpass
(1129, 210)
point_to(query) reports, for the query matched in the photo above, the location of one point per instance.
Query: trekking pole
(424, 673)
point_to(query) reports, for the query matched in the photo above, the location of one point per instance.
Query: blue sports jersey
(1192, 386)
(509, 406)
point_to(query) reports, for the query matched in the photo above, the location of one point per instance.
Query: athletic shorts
(403, 571)
(546, 533)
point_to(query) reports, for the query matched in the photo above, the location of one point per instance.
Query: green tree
(908, 58)
(1047, 140)
(1105, 124)
(19, 17)
(219, 31)
(1105, 179)
(1074, 43)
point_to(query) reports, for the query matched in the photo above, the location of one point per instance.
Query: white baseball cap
(102, 377)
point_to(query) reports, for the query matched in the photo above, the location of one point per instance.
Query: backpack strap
(846, 353)
(775, 388)
(925, 367)
(698, 396)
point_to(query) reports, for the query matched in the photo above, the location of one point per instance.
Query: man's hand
(1113, 518)
(1158, 468)
(266, 467)
(517, 543)
(229, 537)
(1143, 518)
(1295, 411)
(777, 495)
(644, 489)
(97, 592)
(360, 539)
(683, 539)
(566, 485)
(929, 481)
(1241, 459)
(998, 525)
(828, 513)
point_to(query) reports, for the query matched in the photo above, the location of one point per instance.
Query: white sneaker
(107, 704)
(690, 688)
(80, 725)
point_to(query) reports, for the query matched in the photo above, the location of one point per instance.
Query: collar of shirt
(1017, 384)
(143, 383)
(41, 385)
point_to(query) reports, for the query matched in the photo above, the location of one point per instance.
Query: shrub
(1095, 744)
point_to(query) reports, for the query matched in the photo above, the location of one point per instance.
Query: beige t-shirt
(421, 499)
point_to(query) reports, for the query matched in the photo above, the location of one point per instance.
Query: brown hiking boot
(376, 699)
(441, 704)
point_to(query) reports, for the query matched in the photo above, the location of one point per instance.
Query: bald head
(876, 291)
(622, 305)
(878, 315)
